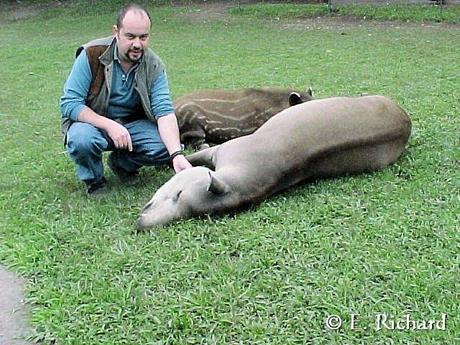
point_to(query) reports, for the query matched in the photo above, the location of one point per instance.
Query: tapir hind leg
(358, 159)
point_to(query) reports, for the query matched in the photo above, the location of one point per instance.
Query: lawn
(382, 243)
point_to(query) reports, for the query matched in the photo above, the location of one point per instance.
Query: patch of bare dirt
(209, 11)
(342, 23)
(205, 12)
(13, 310)
(12, 11)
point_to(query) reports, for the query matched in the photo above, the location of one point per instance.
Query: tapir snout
(189, 192)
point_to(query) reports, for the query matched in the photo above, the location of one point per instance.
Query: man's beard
(134, 55)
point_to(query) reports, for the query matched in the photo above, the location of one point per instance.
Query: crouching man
(116, 98)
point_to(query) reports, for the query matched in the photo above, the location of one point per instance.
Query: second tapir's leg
(196, 137)
(203, 158)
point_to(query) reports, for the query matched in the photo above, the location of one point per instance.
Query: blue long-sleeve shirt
(124, 100)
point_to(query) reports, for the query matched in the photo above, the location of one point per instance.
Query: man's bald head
(136, 9)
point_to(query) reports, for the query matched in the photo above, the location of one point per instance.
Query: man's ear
(114, 30)
(217, 186)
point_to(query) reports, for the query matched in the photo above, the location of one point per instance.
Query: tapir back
(321, 138)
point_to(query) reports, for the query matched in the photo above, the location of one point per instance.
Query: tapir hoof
(203, 147)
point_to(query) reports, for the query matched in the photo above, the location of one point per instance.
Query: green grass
(395, 12)
(386, 242)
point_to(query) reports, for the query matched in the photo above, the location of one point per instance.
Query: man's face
(132, 36)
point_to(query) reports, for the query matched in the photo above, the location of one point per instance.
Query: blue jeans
(86, 144)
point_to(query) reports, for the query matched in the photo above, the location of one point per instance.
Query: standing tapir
(320, 138)
(212, 117)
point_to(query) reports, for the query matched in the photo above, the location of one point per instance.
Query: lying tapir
(320, 138)
(211, 117)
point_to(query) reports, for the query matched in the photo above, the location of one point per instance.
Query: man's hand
(120, 136)
(180, 163)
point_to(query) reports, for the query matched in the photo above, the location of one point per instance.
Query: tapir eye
(176, 197)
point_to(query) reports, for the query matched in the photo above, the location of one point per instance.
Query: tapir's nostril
(140, 227)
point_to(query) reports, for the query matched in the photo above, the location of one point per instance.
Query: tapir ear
(294, 99)
(217, 186)
(310, 91)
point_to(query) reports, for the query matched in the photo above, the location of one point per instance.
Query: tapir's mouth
(140, 225)
(147, 221)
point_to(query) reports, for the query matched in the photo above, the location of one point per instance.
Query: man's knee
(85, 139)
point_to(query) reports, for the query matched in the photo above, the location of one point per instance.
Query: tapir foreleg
(204, 157)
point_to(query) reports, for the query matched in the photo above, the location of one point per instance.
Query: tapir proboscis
(321, 138)
(211, 117)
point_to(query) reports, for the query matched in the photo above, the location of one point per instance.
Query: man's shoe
(96, 188)
(123, 175)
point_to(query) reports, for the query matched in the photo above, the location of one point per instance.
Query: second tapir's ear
(310, 91)
(294, 99)
(217, 186)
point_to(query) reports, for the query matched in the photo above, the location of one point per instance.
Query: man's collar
(115, 52)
